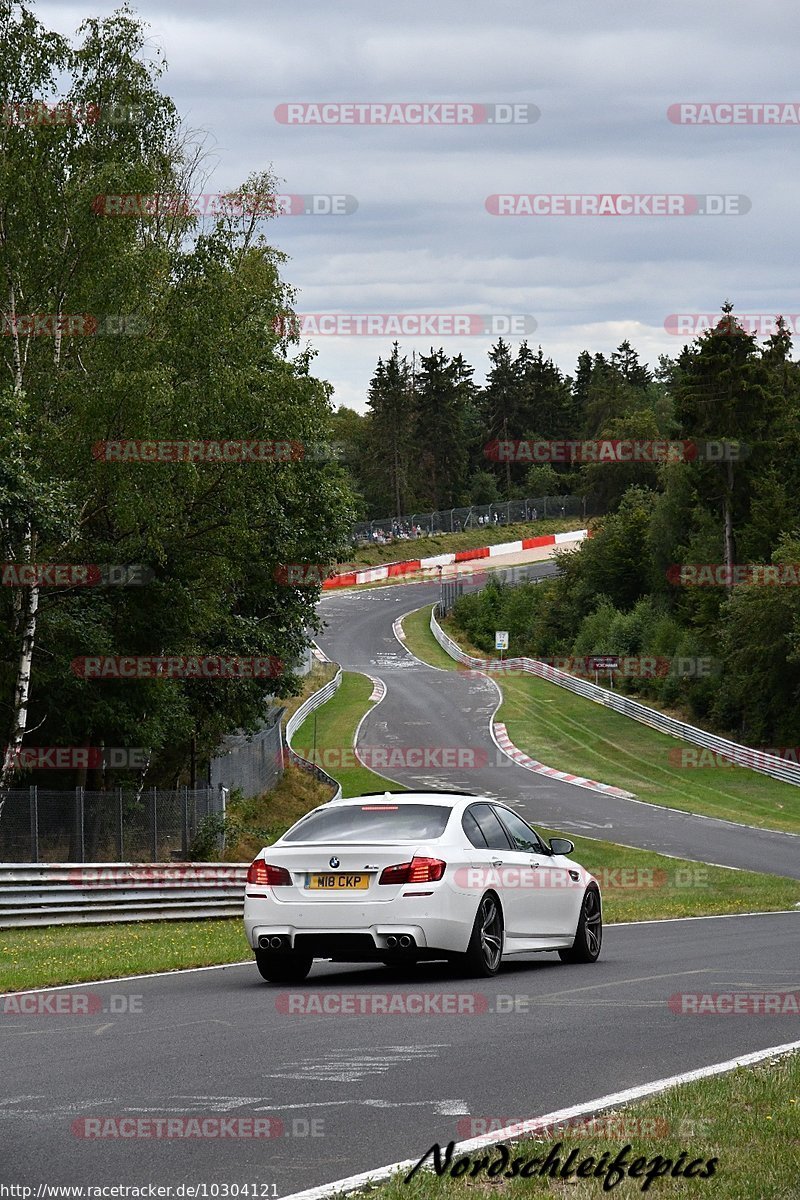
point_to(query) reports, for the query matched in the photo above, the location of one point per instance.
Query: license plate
(338, 883)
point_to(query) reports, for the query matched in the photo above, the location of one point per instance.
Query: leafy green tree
(202, 361)
(760, 650)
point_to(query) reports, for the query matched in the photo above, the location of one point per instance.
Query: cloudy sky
(602, 74)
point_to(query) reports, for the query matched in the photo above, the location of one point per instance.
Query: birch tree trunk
(27, 633)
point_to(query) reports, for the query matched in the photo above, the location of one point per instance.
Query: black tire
(286, 967)
(589, 934)
(485, 950)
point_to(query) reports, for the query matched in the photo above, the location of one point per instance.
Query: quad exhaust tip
(403, 942)
(270, 943)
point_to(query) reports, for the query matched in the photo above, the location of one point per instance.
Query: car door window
(490, 827)
(524, 838)
(473, 831)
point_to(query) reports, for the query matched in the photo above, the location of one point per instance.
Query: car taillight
(419, 870)
(266, 875)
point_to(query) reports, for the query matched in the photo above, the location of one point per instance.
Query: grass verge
(573, 734)
(74, 954)
(640, 885)
(421, 642)
(326, 737)
(747, 1121)
(468, 539)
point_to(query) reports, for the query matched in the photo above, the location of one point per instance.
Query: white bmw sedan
(395, 878)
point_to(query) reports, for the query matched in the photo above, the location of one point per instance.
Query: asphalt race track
(426, 707)
(350, 1092)
(383, 1087)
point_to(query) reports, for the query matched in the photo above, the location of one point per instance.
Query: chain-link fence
(122, 825)
(250, 763)
(454, 520)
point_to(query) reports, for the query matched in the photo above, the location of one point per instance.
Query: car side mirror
(561, 845)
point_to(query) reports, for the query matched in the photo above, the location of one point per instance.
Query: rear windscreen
(373, 823)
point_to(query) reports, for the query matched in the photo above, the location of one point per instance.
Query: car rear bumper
(372, 925)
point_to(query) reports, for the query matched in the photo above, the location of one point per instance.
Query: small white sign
(501, 639)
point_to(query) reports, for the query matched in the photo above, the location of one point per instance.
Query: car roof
(401, 798)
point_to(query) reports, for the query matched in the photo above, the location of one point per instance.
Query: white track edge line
(248, 962)
(364, 716)
(615, 1099)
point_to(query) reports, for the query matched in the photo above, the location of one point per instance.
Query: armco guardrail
(745, 756)
(296, 720)
(34, 894)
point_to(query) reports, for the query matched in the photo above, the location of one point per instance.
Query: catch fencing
(767, 764)
(253, 763)
(120, 824)
(250, 763)
(453, 520)
(296, 720)
(78, 894)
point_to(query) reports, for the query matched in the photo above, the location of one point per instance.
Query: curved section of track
(447, 715)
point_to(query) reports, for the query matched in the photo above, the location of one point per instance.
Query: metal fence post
(153, 827)
(79, 823)
(34, 806)
(120, 834)
(185, 824)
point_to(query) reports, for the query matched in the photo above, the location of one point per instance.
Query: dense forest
(634, 589)
(425, 441)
